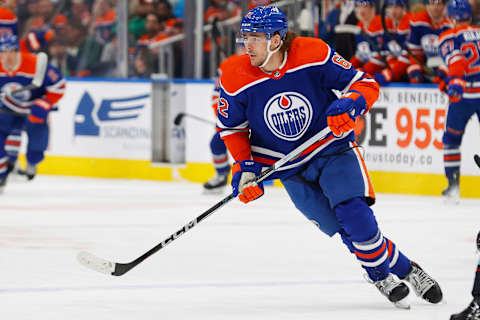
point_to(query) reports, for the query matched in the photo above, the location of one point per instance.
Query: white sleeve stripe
(357, 77)
(267, 152)
(240, 126)
(251, 84)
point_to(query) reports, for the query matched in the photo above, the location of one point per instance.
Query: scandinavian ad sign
(104, 119)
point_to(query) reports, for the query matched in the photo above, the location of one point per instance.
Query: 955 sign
(416, 125)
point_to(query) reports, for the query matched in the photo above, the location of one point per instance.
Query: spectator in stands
(155, 31)
(58, 56)
(137, 22)
(84, 50)
(218, 10)
(143, 64)
(104, 21)
(81, 12)
(171, 23)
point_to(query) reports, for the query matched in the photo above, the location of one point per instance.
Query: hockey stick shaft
(178, 119)
(117, 269)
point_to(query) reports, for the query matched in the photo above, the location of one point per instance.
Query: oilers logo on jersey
(429, 43)
(288, 115)
(9, 87)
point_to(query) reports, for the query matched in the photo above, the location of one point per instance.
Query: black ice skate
(395, 290)
(29, 172)
(472, 312)
(452, 192)
(424, 285)
(216, 184)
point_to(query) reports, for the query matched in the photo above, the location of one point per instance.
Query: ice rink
(258, 261)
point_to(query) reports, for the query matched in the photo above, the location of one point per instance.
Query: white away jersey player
(285, 108)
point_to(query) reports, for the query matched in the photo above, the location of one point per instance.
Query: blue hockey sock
(362, 236)
(399, 263)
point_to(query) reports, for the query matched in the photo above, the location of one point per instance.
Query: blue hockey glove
(416, 76)
(341, 113)
(243, 174)
(455, 89)
(39, 111)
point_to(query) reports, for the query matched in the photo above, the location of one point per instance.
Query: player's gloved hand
(416, 76)
(243, 174)
(384, 77)
(440, 75)
(455, 89)
(341, 113)
(39, 111)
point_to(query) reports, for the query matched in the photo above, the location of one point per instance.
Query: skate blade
(402, 304)
(451, 201)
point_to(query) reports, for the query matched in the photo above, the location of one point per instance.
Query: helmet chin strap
(270, 52)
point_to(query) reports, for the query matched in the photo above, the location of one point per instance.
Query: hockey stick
(178, 119)
(117, 269)
(37, 81)
(477, 159)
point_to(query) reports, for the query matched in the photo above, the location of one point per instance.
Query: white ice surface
(258, 261)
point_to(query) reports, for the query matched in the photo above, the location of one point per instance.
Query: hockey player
(425, 27)
(398, 26)
(472, 312)
(278, 96)
(27, 110)
(219, 152)
(369, 40)
(457, 47)
(217, 146)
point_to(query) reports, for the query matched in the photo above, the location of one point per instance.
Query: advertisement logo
(89, 117)
(288, 115)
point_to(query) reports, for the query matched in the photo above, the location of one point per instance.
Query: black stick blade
(477, 160)
(178, 118)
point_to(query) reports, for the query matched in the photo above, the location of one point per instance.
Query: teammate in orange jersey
(279, 96)
(398, 27)
(29, 109)
(457, 47)
(369, 40)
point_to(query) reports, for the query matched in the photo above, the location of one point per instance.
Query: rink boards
(104, 128)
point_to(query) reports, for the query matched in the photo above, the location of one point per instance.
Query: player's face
(365, 12)
(10, 59)
(436, 10)
(396, 12)
(256, 47)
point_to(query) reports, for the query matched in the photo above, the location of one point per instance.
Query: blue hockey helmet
(459, 10)
(397, 3)
(9, 42)
(268, 20)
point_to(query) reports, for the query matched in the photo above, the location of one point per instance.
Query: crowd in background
(80, 36)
